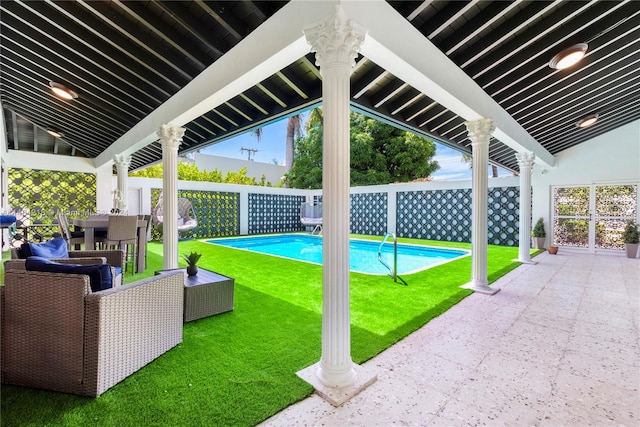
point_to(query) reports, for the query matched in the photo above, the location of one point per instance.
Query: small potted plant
(631, 239)
(539, 234)
(192, 262)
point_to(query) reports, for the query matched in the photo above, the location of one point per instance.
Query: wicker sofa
(58, 335)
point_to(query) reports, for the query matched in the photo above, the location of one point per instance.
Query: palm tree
(294, 129)
(257, 133)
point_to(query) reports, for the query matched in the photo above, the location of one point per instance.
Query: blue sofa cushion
(7, 219)
(56, 248)
(100, 277)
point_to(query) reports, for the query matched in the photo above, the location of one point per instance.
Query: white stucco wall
(611, 158)
(272, 173)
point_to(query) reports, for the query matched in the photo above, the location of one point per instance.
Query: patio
(482, 84)
(557, 346)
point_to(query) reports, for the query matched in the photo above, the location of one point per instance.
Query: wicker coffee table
(205, 294)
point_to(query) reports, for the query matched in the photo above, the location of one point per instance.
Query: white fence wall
(374, 210)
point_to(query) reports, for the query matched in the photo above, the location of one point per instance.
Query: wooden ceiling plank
(87, 48)
(229, 23)
(289, 81)
(456, 9)
(227, 118)
(109, 47)
(485, 20)
(145, 42)
(237, 110)
(534, 11)
(270, 93)
(254, 104)
(211, 40)
(79, 75)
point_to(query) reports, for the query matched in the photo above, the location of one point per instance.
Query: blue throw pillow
(100, 277)
(56, 248)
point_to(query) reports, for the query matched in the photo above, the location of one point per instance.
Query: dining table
(92, 223)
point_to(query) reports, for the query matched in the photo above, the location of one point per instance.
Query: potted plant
(539, 234)
(631, 239)
(192, 262)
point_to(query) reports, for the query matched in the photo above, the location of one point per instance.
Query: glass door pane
(571, 216)
(615, 205)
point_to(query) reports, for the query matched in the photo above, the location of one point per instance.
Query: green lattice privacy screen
(43, 192)
(218, 213)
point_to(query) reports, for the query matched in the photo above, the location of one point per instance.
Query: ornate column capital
(170, 136)
(525, 159)
(122, 160)
(480, 130)
(335, 39)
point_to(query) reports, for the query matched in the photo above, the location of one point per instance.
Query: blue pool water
(363, 254)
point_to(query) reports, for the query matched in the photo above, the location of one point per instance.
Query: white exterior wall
(272, 173)
(611, 158)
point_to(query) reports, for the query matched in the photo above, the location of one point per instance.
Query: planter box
(631, 249)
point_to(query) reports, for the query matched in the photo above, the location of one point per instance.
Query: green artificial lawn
(238, 368)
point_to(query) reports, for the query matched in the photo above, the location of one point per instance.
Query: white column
(122, 162)
(170, 137)
(480, 134)
(336, 42)
(525, 162)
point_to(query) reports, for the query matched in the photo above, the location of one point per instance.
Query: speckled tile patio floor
(557, 346)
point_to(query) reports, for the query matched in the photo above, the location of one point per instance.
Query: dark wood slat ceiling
(126, 58)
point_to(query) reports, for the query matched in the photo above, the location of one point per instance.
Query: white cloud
(451, 166)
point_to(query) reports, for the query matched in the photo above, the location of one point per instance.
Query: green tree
(190, 172)
(294, 129)
(380, 154)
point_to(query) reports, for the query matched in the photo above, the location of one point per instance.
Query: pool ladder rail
(392, 271)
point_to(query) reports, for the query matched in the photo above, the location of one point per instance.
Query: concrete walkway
(558, 346)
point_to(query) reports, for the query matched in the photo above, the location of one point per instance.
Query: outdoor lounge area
(556, 346)
(503, 334)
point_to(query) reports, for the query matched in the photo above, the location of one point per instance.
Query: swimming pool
(363, 254)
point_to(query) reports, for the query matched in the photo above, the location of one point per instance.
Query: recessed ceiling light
(590, 120)
(62, 91)
(55, 132)
(568, 57)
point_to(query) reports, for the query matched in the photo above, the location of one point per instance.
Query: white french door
(593, 216)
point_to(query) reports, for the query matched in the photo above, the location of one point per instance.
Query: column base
(525, 261)
(334, 395)
(480, 288)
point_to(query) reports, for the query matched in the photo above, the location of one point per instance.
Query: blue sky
(270, 149)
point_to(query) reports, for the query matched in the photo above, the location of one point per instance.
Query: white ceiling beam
(401, 49)
(268, 49)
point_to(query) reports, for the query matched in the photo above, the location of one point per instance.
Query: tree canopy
(380, 154)
(191, 172)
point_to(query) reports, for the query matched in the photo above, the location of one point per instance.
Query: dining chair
(147, 236)
(75, 238)
(122, 233)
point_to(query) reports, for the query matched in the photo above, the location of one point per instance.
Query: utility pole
(250, 152)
